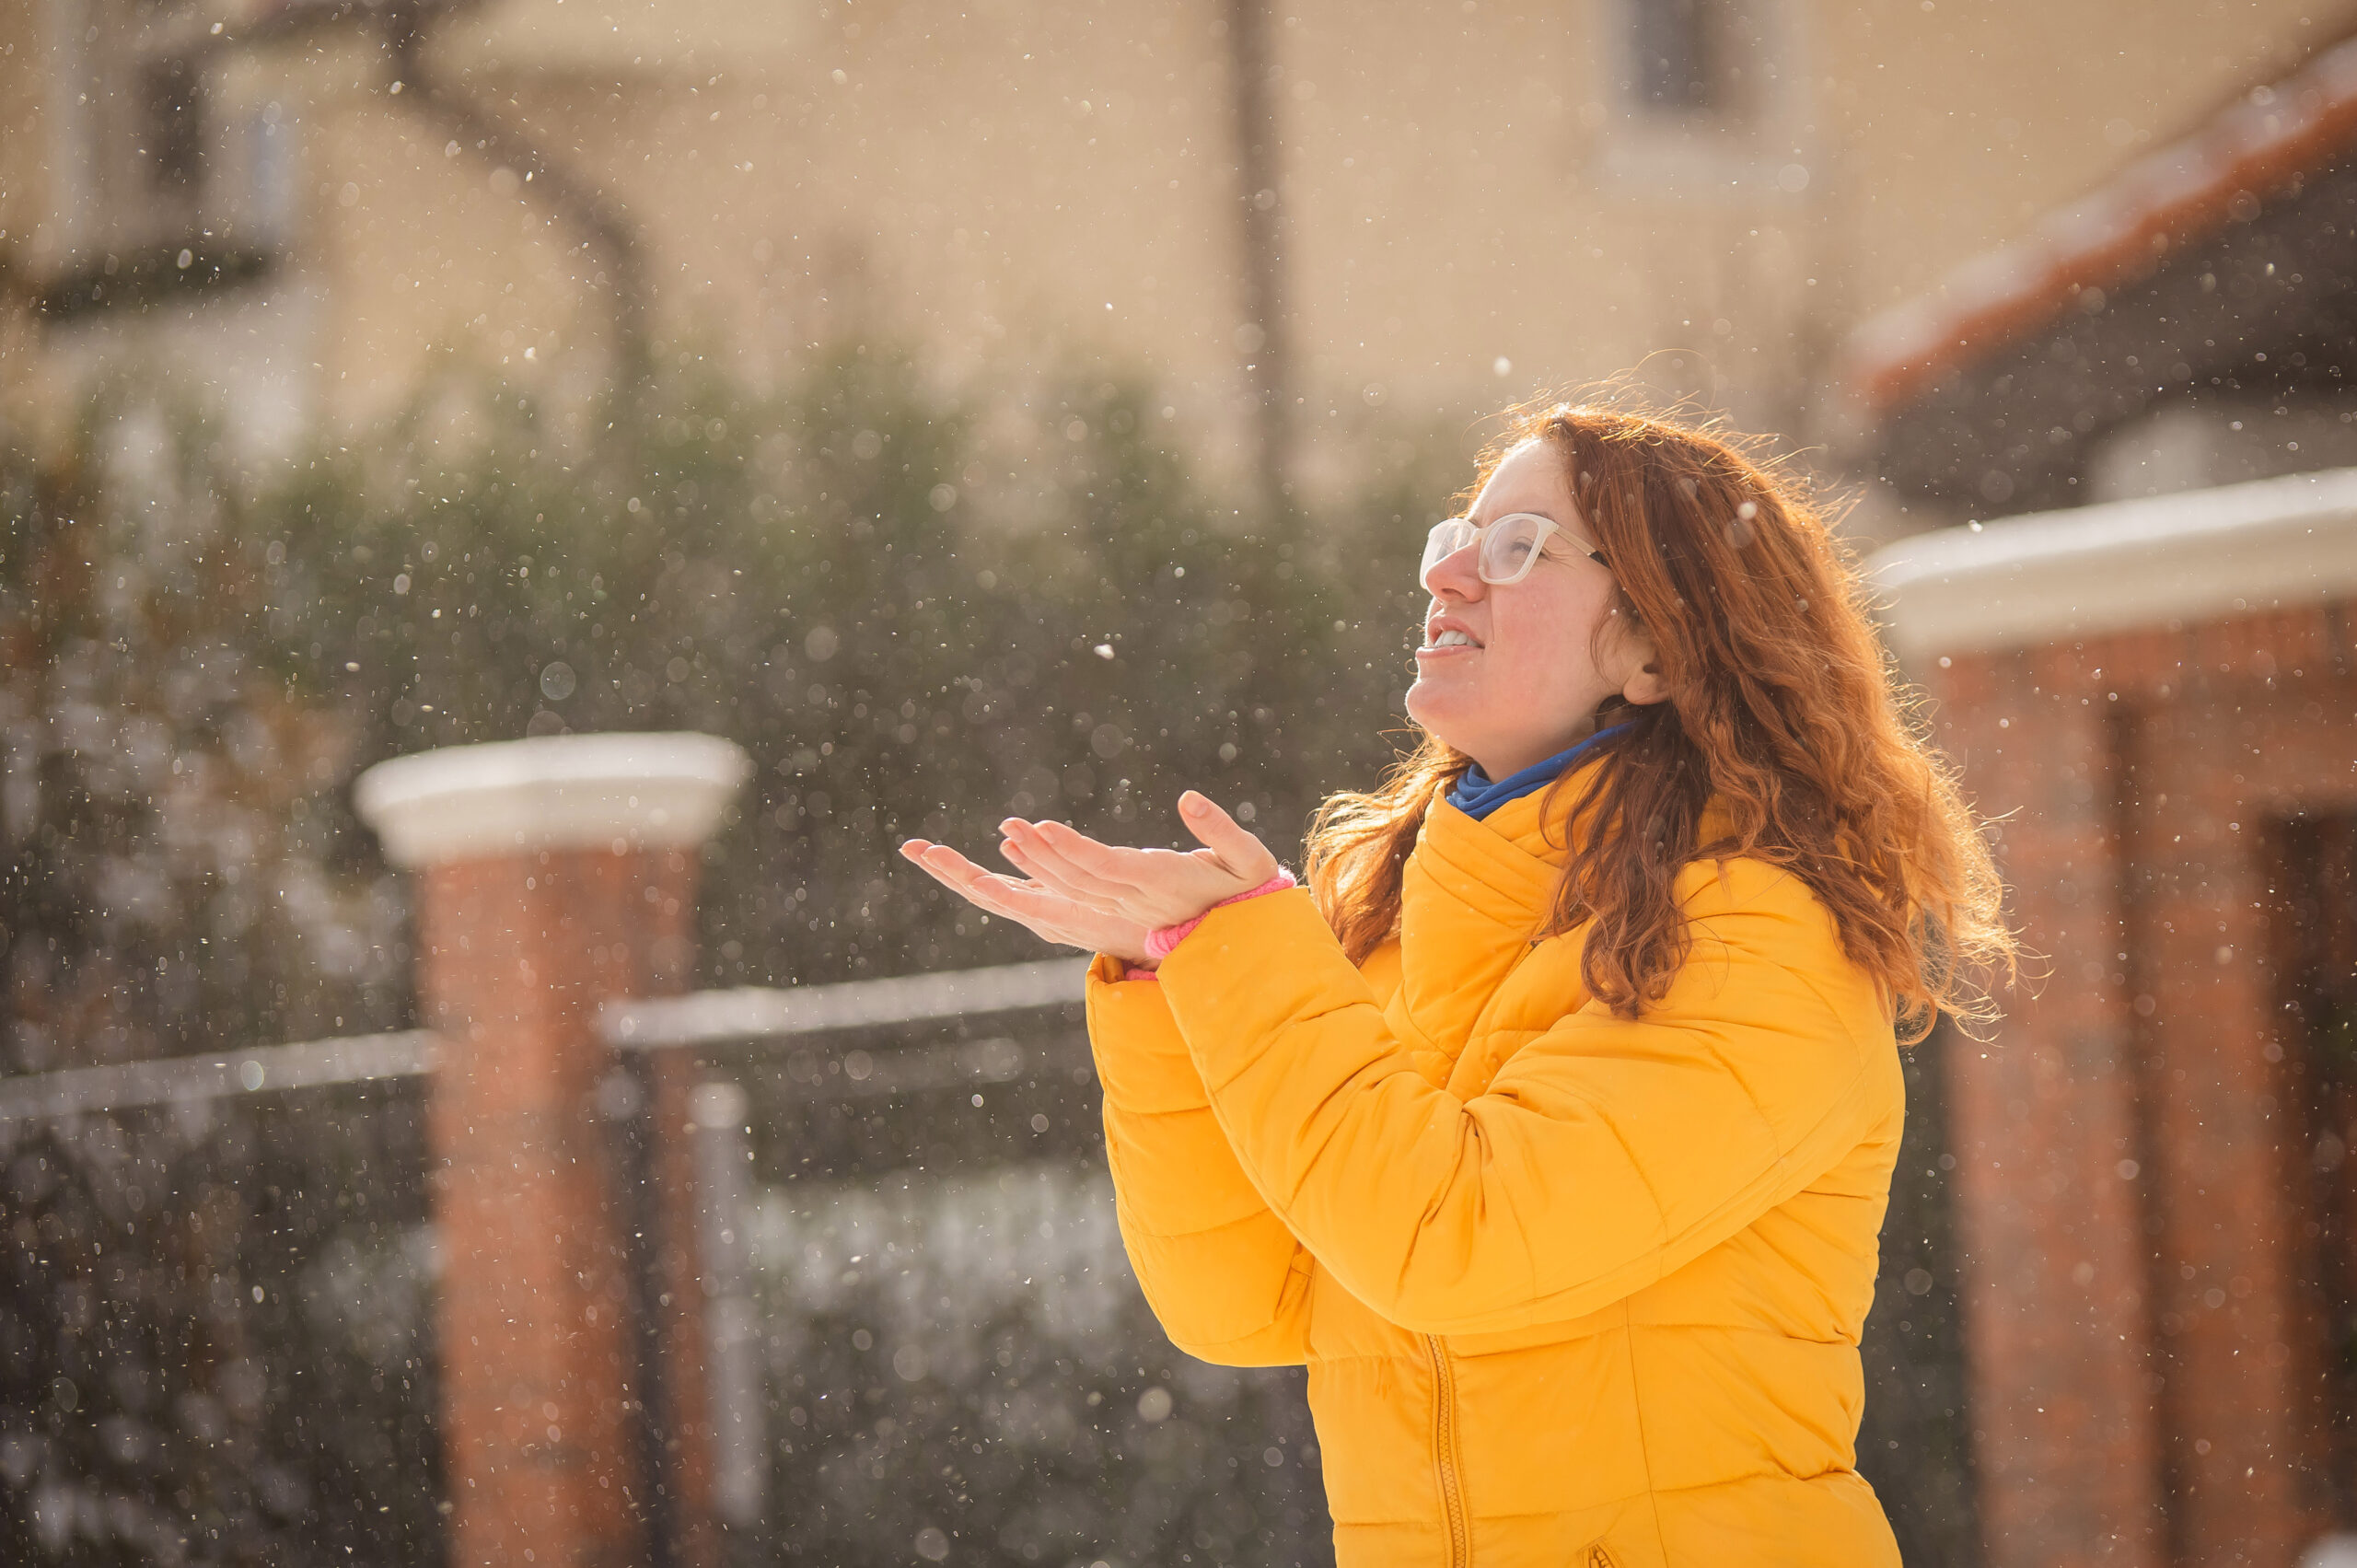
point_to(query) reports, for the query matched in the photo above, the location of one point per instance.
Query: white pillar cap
(2159, 561)
(617, 792)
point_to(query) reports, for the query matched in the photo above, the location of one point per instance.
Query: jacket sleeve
(1225, 1278)
(1606, 1153)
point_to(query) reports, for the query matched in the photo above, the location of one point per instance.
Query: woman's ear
(1645, 683)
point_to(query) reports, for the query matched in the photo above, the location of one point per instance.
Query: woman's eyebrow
(1575, 530)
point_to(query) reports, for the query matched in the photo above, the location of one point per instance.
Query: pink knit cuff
(1159, 943)
(1134, 972)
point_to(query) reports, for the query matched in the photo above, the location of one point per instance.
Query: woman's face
(1529, 684)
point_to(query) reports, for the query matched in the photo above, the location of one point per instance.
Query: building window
(268, 211)
(1699, 99)
(1699, 65)
(1674, 54)
(159, 199)
(172, 101)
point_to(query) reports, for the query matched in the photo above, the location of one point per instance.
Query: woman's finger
(1238, 849)
(1024, 845)
(935, 861)
(962, 876)
(1031, 903)
(944, 865)
(1031, 849)
(1048, 877)
(1045, 914)
(1157, 887)
(1114, 869)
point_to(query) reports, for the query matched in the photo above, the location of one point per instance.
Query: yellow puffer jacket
(1572, 1290)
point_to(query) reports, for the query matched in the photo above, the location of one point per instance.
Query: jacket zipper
(1445, 1444)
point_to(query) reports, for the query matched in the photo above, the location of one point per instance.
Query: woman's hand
(1099, 896)
(1044, 911)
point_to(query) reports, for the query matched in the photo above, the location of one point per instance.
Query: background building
(2157, 690)
(1297, 219)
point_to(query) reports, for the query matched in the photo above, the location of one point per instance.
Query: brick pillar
(552, 874)
(2214, 767)
(2045, 1122)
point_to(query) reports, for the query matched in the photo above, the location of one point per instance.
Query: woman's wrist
(1127, 964)
(1159, 943)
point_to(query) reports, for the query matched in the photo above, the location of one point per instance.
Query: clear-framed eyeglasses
(1510, 546)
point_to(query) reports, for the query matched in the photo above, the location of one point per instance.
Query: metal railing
(817, 1046)
(744, 1016)
(754, 1012)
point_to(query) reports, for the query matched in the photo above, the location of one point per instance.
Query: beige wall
(1965, 122)
(24, 190)
(23, 186)
(1035, 184)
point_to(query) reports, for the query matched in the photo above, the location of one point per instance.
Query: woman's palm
(1053, 916)
(1102, 897)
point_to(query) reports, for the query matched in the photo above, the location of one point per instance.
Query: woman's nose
(1456, 576)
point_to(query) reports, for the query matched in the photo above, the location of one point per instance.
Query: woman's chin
(1432, 708)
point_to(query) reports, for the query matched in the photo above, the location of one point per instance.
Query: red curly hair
(1783, 708)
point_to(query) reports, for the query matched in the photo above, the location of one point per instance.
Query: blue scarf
(1477, 797)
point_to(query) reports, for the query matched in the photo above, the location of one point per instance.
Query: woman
(1552, 1125)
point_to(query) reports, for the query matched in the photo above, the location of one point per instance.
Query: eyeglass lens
(1507, 546)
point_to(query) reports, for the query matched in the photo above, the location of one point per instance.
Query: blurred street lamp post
(605, 226)
(1263, 337)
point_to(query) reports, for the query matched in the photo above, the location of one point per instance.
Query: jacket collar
(1478, 796)
(1473, 896)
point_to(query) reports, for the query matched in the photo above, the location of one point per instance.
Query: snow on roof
(2195, 556)
(2166, 200)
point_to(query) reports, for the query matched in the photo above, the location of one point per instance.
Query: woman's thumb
(1237, 849)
